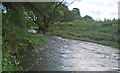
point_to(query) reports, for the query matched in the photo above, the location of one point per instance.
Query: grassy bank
(10, 54)
(98, 32)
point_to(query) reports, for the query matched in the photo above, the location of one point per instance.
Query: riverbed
(62, 54)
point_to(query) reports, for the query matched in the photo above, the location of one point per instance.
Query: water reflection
(70, 55)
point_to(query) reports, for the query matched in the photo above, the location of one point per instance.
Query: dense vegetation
(48, 19)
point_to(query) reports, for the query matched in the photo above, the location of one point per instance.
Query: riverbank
(60, 54)
(96, 32)
(10, 56)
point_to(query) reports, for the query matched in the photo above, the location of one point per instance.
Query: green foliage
(15, 37)
(23, 16)
(92, 31)
(44, 13)
(87, 18)
(19, 18)
(9, 62)
(37, 39)
(71, 15)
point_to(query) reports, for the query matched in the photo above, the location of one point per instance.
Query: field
(105, 33)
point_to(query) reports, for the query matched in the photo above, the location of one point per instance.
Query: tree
(87, 18)
(42, 13)
(15, 24)
(71, 15)
(77, 11)
(47, 13)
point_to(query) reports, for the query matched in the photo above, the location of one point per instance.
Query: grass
(94, 31)
(37, 39)
(10, 61)
(0, 53)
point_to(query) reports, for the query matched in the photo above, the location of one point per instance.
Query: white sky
(97, 9)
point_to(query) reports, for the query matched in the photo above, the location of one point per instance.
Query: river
(62, 54)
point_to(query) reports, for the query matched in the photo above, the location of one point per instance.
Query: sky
(97, 9)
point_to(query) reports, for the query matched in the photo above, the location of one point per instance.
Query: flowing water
(70, 55)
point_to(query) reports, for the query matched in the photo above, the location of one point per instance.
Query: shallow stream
(70, 55)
